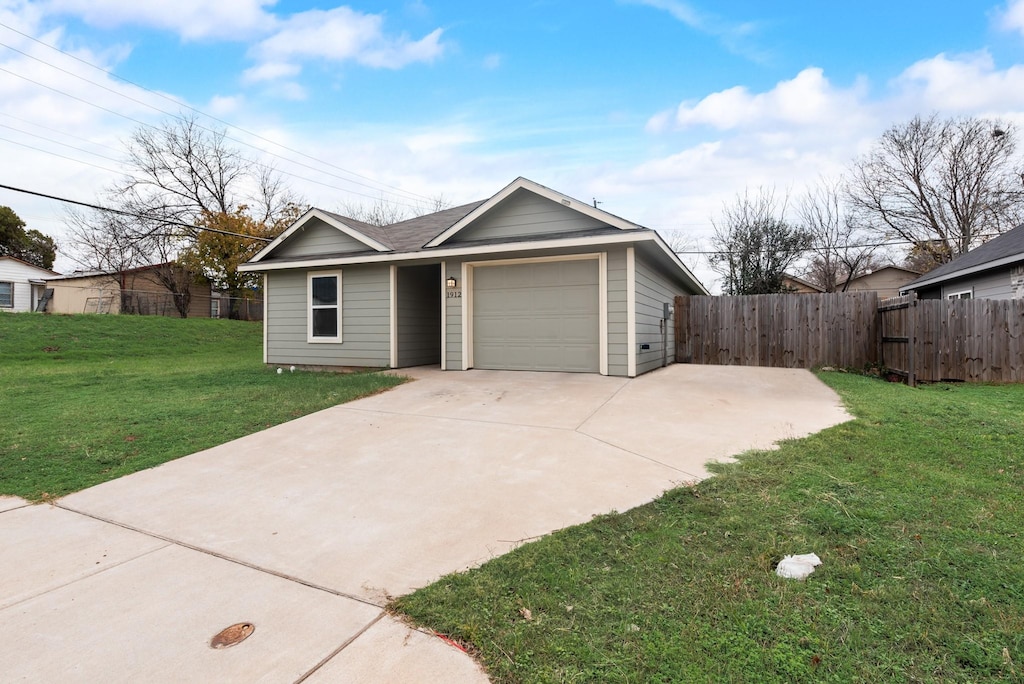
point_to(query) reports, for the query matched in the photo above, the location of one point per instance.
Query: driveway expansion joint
(345, 644)
(85, 576)
(221, 556)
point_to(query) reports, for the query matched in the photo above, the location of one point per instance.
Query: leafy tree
(754, 245)
(946, 181)
(216, 256)
(28, 245)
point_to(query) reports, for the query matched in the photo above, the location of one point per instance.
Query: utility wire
(130, 214)
(150, 126)
(398, 191)
(892, 243)
(57, 142)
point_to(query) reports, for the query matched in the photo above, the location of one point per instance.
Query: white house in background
(22, 285)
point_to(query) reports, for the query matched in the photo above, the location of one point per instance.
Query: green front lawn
(916, 509)
(86, 399)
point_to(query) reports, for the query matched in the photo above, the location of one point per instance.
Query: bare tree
(841, 251)
(949, 182)
(754, 244)
(684, 245)
(380, 212)
(385, 212)
(178, 174)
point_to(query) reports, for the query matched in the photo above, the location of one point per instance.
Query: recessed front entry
(542, 315)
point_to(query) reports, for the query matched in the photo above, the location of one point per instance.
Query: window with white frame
(214, 308)
(963, 294)
(324, 307)
(6, 295)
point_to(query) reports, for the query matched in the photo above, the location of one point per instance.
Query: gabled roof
(423, 237)
(1003, 250)
(357, 230)
(25, 263)
(801, 281)
(553, 195)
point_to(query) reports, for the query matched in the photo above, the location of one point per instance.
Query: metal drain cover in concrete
(229, 636)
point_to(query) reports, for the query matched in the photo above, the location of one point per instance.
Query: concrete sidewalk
(305, 529)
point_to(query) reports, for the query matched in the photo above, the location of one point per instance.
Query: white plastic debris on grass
(798, 567)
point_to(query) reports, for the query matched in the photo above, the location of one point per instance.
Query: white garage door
(537, 316)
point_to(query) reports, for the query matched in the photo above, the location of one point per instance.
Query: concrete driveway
(304, 530)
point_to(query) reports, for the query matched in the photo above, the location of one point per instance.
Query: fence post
(912, 340)
(682, 313)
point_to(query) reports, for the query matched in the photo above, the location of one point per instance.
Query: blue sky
(661, 109)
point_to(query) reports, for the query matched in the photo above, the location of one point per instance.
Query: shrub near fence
(779, 330)
(928, 340)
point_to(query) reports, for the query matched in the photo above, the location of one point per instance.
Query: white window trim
(7, 282)
(444, 316)
(959, 294)
(309, 307)
(631, 312)
(392, 318)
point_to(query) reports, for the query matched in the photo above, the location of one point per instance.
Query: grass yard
(86, 399)
(916, 509)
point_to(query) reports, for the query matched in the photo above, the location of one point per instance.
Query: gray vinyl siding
(419, 315)
(316, 237)
(992, 285)
(365, 319)
(453, 317)
(524, 213)
(618, 342)
(652, 291)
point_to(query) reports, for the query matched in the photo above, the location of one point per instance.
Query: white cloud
(224, 105)
(191, 19)
(342, 34)
(806, 99)
(735, 36)
(1012, 17)
(968, 84)
(440, 139)
(270, 71)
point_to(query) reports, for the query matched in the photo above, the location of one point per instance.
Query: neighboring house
(22, 285)
(529, 279)
(995, 270)
(886, 281)
(133, 291)
(795, 285)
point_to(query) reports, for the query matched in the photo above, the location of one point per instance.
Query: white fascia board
(536, 188)
(329, 220)
(679, 264)
(449, 252)
(1005, 261)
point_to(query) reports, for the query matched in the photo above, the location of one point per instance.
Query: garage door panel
(540, 316)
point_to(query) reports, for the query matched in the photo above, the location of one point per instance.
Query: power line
(156, 128)
(398, 191)
(57, 154)
(130, 214)
(57, 142)
(892, 243)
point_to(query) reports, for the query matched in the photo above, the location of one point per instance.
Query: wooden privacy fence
(969, 340)
(925, 340)
(778, 330)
